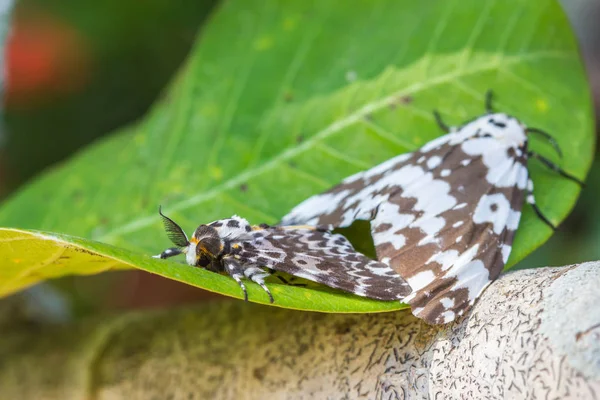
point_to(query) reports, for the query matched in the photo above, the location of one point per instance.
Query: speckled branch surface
(535, 334)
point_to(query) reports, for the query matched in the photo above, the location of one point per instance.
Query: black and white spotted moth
(244, 251)
(443, 217)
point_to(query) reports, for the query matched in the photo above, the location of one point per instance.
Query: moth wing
(449, 233)
(443, 217)
(322, 257)
(356, 197)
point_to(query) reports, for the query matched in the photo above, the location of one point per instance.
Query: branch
(533, 334)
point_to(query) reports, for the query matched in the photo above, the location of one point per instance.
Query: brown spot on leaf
(406, 99)
(82, 250)
(401, 100)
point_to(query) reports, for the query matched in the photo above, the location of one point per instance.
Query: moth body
(443, 217)
(251, 252)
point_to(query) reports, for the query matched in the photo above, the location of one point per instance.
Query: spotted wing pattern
(320, 256)
(443, 217)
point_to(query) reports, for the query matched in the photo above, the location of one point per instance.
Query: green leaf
(280, 100)
(30, 256)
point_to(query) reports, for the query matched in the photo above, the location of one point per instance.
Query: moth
(443, 217)
(245, 251)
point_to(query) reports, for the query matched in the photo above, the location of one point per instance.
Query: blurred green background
(76, 72)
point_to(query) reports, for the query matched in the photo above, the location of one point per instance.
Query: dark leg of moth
(285, 281)
(440, 121)
(549, 138)
(173, 251)
(531, 200)
(236, 271)
(276, 275)
(555, 168)
(542, 217)
(489, 97)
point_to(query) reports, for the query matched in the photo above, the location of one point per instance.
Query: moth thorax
(506, 129)
(205, 245)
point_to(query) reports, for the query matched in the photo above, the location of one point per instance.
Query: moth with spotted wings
(443, 217)
(244, 251)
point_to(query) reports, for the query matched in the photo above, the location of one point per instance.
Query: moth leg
(440, 121)
(531, 200)
(173, 251)
(489, 97)
(549, 138)
(236, 271)
(555, 168)
(283, 280)
(258, 275)
(289, 283)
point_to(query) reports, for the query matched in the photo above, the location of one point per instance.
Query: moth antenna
(555, 168)
(172, 252)
(489, 97)
(440, 121)
(547, 136)
(174, 231)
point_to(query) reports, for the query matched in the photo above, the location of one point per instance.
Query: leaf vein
(328, 131)
(330, 151)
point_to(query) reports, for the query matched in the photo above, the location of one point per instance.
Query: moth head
(205, 245)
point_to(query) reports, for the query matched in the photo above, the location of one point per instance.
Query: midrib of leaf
(337, 126)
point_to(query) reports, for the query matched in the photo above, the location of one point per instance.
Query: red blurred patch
(140, 289)
(44, 57)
